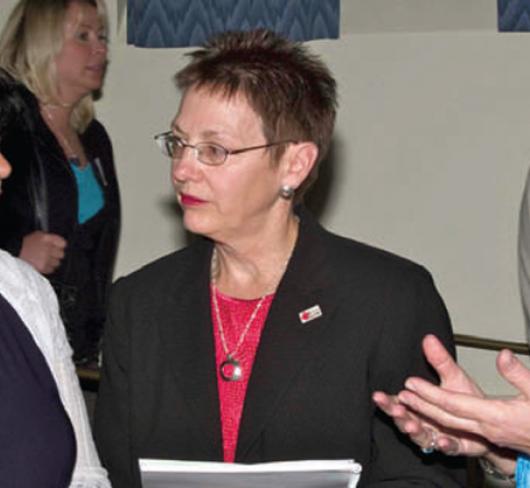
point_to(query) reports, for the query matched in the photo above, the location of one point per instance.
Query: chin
(197, 224)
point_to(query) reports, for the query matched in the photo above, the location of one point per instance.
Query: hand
(424, 429)
(407, 421)
(500, 421)
(44, 251)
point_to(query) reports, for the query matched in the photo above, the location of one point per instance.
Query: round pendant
(230, 369)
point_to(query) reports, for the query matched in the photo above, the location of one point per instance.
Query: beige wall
(431, 149)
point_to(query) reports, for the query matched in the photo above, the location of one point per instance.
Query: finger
(53, 239)
(389, 404)
(53, 264)
(57, 241)
(514, 371)
(57, 253)
(47, 269)
(406, 421)
(450, 410)
(382, 400)
(448, 445)
(439, 358)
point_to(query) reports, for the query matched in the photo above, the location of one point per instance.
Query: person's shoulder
(157, 275)
(363, 255)
(96, 127)
(356, 265)
(355, 258)
(96, 134)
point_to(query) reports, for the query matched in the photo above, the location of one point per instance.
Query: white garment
(524, 253)
(35, 302)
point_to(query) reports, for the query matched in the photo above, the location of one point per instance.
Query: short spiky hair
(290, 89)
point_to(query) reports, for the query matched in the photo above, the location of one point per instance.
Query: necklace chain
(71, 153)
(236, 372)
(231, 354)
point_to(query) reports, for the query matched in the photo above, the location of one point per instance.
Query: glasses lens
(211, 154)
(169, 145)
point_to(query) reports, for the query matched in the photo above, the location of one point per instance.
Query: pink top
(234, 314)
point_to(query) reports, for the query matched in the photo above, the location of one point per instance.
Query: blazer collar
(287, 345)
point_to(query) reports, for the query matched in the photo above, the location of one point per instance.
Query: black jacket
(309, 394)
(41, 194)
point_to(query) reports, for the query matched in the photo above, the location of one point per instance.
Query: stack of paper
(158, 473)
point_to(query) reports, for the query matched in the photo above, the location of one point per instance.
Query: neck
(253, 269)
(57, 115)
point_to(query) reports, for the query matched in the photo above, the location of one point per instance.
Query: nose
(100, 46)
(187, 167)
(5, 167)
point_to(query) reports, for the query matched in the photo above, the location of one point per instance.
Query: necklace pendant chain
(230, 369)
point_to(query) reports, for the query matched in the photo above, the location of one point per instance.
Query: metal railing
(491, 344)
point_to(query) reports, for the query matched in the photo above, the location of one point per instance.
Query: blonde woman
(60, 211)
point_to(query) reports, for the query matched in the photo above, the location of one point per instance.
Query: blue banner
(179, 23)
(513, 15)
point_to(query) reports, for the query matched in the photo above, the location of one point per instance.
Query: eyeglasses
(207, 153)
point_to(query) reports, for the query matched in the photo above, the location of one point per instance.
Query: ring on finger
(432, 445)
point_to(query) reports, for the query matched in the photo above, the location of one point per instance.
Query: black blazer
(309, 396)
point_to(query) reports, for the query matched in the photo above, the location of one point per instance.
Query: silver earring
(287, 192)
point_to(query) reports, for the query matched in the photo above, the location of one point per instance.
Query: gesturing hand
(502, 421)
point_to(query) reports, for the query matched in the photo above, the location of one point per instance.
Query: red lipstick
(189, 200)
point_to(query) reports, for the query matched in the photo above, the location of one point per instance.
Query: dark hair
(290, 89)
(12, 104)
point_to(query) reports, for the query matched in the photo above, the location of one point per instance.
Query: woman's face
(82, 61)
(239, 198)
(5, 169)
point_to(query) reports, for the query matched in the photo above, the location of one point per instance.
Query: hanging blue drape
(513, 15)
(178, 23)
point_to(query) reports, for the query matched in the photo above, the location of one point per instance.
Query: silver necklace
(230, 369)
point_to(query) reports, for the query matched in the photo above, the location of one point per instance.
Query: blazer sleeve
(112, 415)
(397, 462)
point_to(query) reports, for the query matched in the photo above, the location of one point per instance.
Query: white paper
(161, 473)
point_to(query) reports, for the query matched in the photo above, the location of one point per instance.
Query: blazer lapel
(191, 354)
(287, 344)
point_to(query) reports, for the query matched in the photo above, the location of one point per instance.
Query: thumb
(514, 371)
(439, 358)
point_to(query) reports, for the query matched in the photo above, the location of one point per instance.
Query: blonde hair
(29, 43)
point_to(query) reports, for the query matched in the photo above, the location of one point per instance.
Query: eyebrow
(205, 134)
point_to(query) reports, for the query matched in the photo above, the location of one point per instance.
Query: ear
(297, 162)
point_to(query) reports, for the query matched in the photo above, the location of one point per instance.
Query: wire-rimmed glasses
(208, 153)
